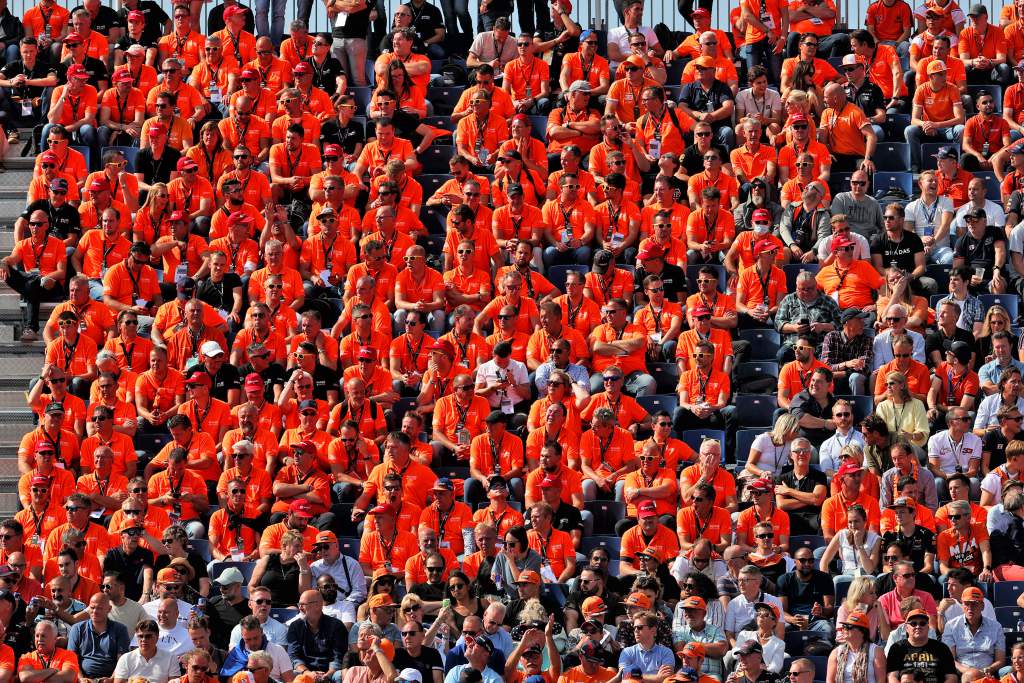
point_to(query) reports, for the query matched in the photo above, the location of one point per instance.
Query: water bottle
(1020, 625)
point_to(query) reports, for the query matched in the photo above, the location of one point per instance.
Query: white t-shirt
(773, 458)
(620, 36)
(926, 220)
(861, 247)
(162, 667)
(995, 213)
(951, 454)
(740, 611)
(487, 374)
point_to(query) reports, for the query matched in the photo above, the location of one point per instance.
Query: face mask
(760, 228)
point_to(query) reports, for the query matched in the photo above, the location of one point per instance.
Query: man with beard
(592, 584)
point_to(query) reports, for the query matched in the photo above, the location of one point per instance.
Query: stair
(19, 363)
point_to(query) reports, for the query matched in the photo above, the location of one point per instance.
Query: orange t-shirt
(937, 105)
(716, 528)
(844, 129)
(75, 108)
(633, 542)
(557, 548)
(851, 287)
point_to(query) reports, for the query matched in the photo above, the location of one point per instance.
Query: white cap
(410, 675)
(211, 349)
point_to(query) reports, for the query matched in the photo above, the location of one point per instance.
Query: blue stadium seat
(283, 614)
(444, 122)
(349, 546)
(435, 216)
(656, 402)
(894, 126)
(201, 547)
(1012, 638)
(862, 406)
(902, 180)
(610, 541)
(793, 269)
(813, 542)
(991, 184)
(433, 244)
(606, 513)
(820, 665)
(402, 406)
(435, 159)
(755, 410)
(694, 437)
(430, 182)
(1008, 617)
(87, 153)
(764, 343)
(892, 156)
(796, 641)
(1011, 302)
(666, 375)
(556, 274)
(940, 274)
(839, 181)
(744, 439)
(444, 98)
(539, 124)
(1005, 593)
(754, 369)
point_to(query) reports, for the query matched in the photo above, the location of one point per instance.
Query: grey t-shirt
(864, 216)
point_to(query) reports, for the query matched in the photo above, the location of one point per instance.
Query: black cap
(514, 188)
(850, 314)
(142, 248)
(496, 417)
(484, 642)
(602, 261)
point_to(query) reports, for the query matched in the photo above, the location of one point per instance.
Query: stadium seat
(1005, 593)
(435, 216)
(754, 369)
(453, 472)
(744, 439)
(611, 542)
(349, 546)
(793, 269)
(283, 614)
(1009, 616)
(894, 126)
(674, 71)
(940, 274)
(656, 402)
(87, 153)
(691, 276)
(862, 406)
(402, 406)
(433, 244)
(672, 92)
(606, 513)
(695, 437)
(764, 343)
(1011, 302)
(991, 88)
(820, 664)
(810, 541)
(129, 154)
(991, 184)
(539, 124)
(796, 641)
(201, 547)
(928, 152)
(839, 181)
(556, 274)
(444, 98)
(754, 410)
(1012, 638)
(892, 156)
(444, 122)
(666, 375)
(902, 180)
(430, 182)
(435, 159)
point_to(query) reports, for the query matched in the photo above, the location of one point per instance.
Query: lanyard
(201, 420)
(37, 254)
(481, 129)
(388, 547)
(496, 455)
(69, 352)
(292, 164)
(702, 383)
(414, 355)
(656, 315)
(442, 521)
(121, 108)
(765, 283)
(573, 312)
(56, 442)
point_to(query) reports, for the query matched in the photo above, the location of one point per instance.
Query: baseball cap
(382, 509)
(136, 15)
(700, 12)
(73, 37)
(167, 574)
(972, 594)
(211, 349)
(53, 408)
(749, 647)
(497, 483)
(326, 537)
(40, 480)
(851, 313)
(602, 261)
(444, 346)
(443, 484)
(650, 553)
(761, 216)
(186, 164)
(550, 483)
(700, 310)
(916, 613)
(59, 184)
(300, 507)
(774, 609)
(123, 76)
(529, 576)
(798, 117)
(849, 467)
(854, 60)
(634, 60)
(646, 509)
(249, 73)
(409, 675)
(239, 217)
(381, 600)
(229, 576)
(514, 188)
(694, 602)
(762, 246)
(233, 11)
(306, 445)
(840, 241)
(694, 649)
(651, 250)
(135, 49)
(253, 381)
(308, 404)
(157, 128)
(302, 68)
(936, 66)
(591, 651)
(705, 61)
(367, 353)
(580, 86)
(99, 185)
(593, 605)
(637, 599)
(199, 379)
(857, 618)
(902, 502)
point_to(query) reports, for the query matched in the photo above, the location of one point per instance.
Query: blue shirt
(648, 661)
(974, 649)
(488, 675)
(577, 373)
(990, 371)
(98, 652)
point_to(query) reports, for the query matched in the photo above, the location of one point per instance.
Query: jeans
(763, 53)
(96, 289)
(275, 29)
(436, 321)
(474, 491)
(32, 292)
(637, 384)
(456, 15)
(726, 137)
(590, 489)
(915, 135)
(578, 256)
(351, 52)
(343, 492)
(902, 51)
(941, 255)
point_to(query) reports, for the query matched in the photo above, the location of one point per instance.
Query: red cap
(646, 509)
(186, 163)
(249, 73)
(45, 446)
(49, 158)
(798, 117)
(849, 467)
(77, 71)
(651, 250)
(40, 480)
(136, 15)
(99, 185)
(305, 445)
(842, 240)
(238, 217)
(382, 509)
(761, 215)
(700, 12)
(301, 69)
(199, 379)
(157, 128)
(367, 353)
(234, 11)
(301, 508)
(73, 37)
(444, 346)
(550, 483)
(700, 310)
(761, 246)
(332, 149)
(253, 381)
(123, 76)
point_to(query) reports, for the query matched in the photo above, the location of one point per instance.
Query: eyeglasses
(456, 586)
(917, 623)
(522, 45)
(409, 634)
(1015, 418)
(892, 558)
(464, 387)
(611, 378)
(890, 218)
(436, 569)
(38, 224)
(858, 182)
(764, 536)
(134, 512)
(905, 576)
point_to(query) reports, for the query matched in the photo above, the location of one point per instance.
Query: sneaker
(29, 335)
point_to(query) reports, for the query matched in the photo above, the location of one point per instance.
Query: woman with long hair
(861, 596)
(463, 602)
(397, 80)
(857, 660)
(857, 547)
(151, 219)
(698, 584)
(896, 290)
(213, 160)
(560, 389)
(904, 415)
(997, 319)
(803, 79)
(796, 101)
(769, 452)
(531, 148)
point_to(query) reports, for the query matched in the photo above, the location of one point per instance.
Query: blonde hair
(860, 586)
(786, 424)
(532, 611)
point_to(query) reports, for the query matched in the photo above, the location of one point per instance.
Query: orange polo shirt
(633, 542)
(833, 511)
(635, 361)
(606, 457)
(448, 525)
(191, 483)
(716, 528)
(851, 287)
(664, 505)
(725, 485)
(557, 548)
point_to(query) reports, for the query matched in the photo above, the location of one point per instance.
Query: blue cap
(585, 34)
(59, 184)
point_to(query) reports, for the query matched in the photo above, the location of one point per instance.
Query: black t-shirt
(64, 221)
(156, 19)
(126, 41)
(994, 443)
(39, 70)
(868, 97)
(224, 616)
(900, 254)
(694, 96)
(426, 19)
(693, 159)
(157, 170)
(427, 662)
(429, 591)
(273, 375)
(672, 277)
(919, 543)
(933, 659)
(937, 341)
(804, 404)
(405, 126)
(806, 519)
(980, 252)
(226, 379)
(324, 380)
(803, 594)
(96, 69)
(348, 137)
(106, 18)
(325, 76)
(218, 294)
(215, 19)
(356, 26)
(131, 566)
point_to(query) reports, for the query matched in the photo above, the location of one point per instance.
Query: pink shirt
(891, 606)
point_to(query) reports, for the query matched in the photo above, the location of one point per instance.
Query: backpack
(454, 74)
